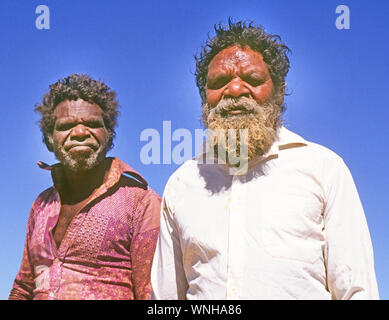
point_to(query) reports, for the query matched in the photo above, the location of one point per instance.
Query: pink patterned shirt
(108, 247)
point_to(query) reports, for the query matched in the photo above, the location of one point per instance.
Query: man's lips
(81, 147)
(235, 111)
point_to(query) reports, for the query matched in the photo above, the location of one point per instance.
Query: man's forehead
(245, 57)
(76, 108)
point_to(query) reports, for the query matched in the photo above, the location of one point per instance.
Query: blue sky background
(144, 51)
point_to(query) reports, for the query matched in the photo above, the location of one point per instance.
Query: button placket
(236, 248)
(55, 277)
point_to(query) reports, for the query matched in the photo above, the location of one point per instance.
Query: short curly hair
(244, 33)
(73, 87)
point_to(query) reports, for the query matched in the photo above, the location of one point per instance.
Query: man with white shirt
(291, 225)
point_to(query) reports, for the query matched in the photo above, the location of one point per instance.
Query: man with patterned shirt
(92, 235)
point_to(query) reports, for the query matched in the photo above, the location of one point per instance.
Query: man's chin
(257, 142)
(80, 161)
(259, 122)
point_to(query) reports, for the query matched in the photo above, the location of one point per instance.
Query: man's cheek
(213, 97)
(263, 93)
(104, 139)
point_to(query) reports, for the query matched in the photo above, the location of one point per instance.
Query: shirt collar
(117, 168)
(285, 139)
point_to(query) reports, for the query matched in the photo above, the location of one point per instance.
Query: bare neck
(78, 186)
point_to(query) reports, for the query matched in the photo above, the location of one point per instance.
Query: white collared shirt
(292, 227)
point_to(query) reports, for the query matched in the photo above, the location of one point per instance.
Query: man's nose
(236, 88)
(79, 132)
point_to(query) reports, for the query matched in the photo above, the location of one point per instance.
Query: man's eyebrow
(65, 119)
(81, 119)
(255, 70)
(92, 118)
(219, 74)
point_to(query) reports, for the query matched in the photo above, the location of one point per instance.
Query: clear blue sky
(144, 50)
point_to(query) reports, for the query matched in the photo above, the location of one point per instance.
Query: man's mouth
(234, 111)
(81, 147)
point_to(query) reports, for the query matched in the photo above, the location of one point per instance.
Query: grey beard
(82, 163)
(261, 122)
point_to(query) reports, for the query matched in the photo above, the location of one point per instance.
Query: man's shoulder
(46, 198)
(128, 181)
(315, 160)
(189, 169)
(136, 191)
(311, 151)
(48, 195)
(320, 151)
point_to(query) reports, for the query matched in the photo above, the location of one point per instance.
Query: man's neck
(79, 185)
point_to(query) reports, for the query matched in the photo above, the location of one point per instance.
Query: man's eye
(63, 126)
(218, 83)
(253, 81)
(94, 124)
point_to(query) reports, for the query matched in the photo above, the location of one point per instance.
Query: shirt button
(51, 294)
(56, 260)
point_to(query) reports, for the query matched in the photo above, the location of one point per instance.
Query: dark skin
(79, 131)
(236, 72)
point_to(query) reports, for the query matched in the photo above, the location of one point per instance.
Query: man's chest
(66, 216)
(280, 215)
(100, 229)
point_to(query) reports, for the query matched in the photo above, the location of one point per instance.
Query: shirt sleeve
(349, 252)
(143, 244)
(24, 283)
(168, 276)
